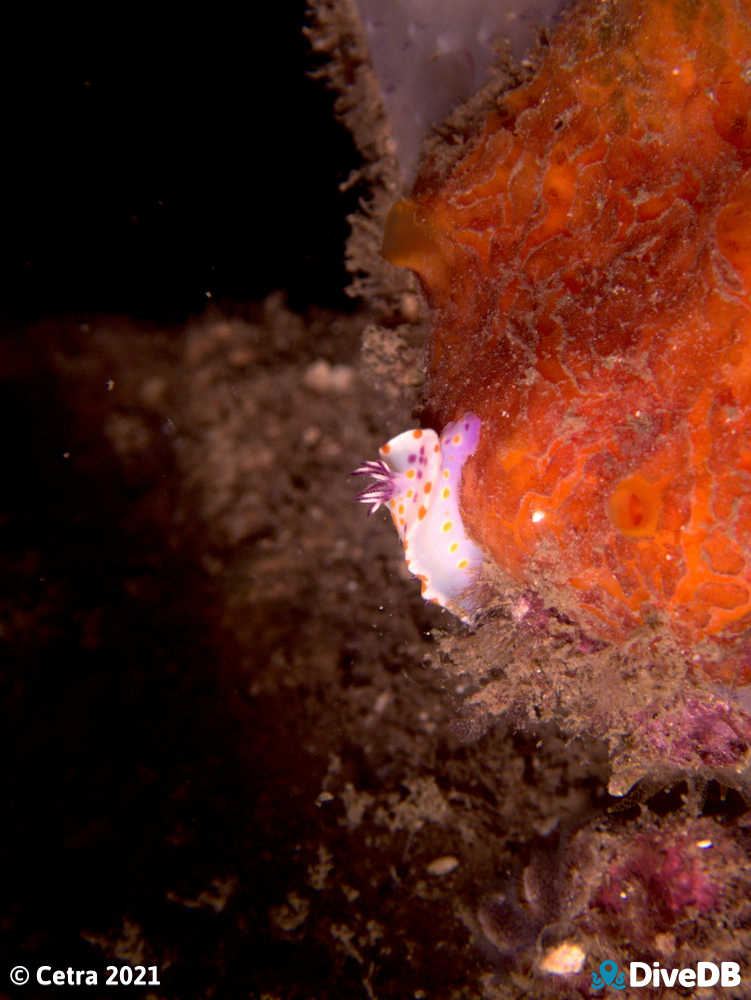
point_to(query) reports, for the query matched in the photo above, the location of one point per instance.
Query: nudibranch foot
(419, 477)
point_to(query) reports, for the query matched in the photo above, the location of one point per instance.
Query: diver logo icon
(609, 976)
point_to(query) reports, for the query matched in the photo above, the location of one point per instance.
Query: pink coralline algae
(662, 880)
(713, 733)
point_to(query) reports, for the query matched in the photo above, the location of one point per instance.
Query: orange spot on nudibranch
(462, 564)
(446, 492)
(453, 547)
(421, 513)
(410, 473)
(385, 449)
(428, 487)
(417, 433)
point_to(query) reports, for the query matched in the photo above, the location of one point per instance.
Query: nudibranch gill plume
(418, 477)
(587, 261)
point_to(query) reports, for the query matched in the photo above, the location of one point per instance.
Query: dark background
(194, 644)
(153, 164)
(150, 170)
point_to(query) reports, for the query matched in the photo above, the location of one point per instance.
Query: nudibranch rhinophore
(418, 477)
(587, 259)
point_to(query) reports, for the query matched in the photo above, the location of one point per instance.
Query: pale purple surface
(430, 55)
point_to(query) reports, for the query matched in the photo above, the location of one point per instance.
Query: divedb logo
(724, 975)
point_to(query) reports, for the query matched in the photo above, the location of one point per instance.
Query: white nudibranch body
(418, 477)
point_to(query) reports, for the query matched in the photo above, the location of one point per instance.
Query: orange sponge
(588, 260)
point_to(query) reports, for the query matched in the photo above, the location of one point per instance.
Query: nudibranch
(418, 477)
(587, 261)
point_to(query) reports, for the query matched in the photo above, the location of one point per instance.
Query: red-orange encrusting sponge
(588, 261)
